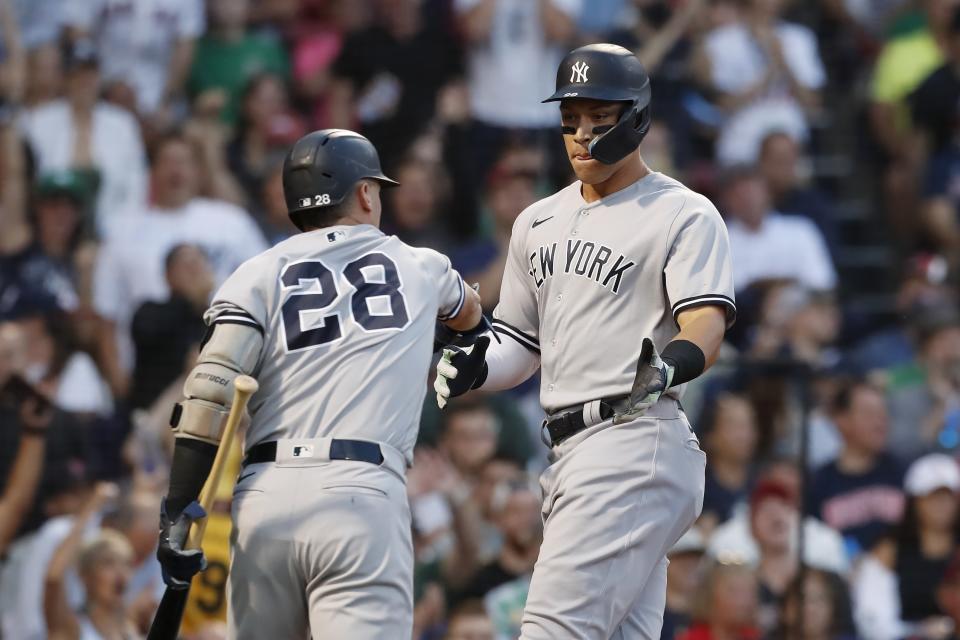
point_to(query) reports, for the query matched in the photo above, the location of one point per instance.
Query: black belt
(360, 450)
(561, 427)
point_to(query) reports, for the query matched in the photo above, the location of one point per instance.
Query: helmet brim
(608, 94)
(385, 182)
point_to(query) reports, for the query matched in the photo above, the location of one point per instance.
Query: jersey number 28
(301, 275)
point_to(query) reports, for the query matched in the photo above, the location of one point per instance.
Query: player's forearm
(508, 364)
(704, 327)
(192, 460)
(470, 314)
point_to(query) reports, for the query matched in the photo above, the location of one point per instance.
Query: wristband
(686, 359)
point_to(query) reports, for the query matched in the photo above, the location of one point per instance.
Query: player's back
(348, 319)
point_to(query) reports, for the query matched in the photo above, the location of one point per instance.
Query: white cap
(690, 542)
(931, 472)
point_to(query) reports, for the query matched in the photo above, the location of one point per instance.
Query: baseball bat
(166, 622)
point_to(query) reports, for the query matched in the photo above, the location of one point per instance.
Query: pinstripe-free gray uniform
(348, 317)
(584, 284)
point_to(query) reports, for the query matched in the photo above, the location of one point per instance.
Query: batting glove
(652, 379)
(179, 565)
(461, 369)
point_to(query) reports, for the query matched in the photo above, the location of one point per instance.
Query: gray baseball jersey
(586, 282)
(348, 316)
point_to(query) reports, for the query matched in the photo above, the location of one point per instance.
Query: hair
(168, 137)
(459, 407)
(320, 217)
(93, 551)
(701, 606)
(906, 533)
(252, 85)
(842, 400)
(174, 252)
(841, 616)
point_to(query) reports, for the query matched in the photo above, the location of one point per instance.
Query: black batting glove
(179, 565)
(461, 369)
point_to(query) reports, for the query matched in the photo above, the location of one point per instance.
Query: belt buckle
(545, 434)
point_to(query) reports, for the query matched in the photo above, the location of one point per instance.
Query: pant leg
(645, 620)
(322, 552)
(362, 584)
(613, 507)
(265, 585)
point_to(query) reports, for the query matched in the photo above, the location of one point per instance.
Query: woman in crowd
(894, 591)
(104, 565)
(725, 605)
(820, 612)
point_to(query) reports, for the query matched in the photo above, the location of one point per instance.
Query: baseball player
(337, 324)
(619, 289)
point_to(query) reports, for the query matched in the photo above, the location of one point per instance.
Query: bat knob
(245, 384)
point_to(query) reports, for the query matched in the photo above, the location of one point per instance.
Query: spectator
(924, 395)
(165, 333)
(146, 49)
(130, 267)
(228, 55)
(683, 576)
(317, 43)
(272, 207)
(767, 74)
(509, 191)
(764, 536)
(948, 595)
(380, 83)
(894, 590)
(780, 165)
(504, 96)
(766, 244)
(725, 605)
(933, 105)
(266, 129)
(412, 210)
(940, 213)
(859, 494)
(83, 133)
(469, 437)
(820, 612)
(21, 485)
(516, 512)
(65, 491)
(103, 565)
(37, 252)
(903, 64)
(469, 621)
(730, 440)
(922, 291)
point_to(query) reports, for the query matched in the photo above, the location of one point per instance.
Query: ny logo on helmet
(579, 72)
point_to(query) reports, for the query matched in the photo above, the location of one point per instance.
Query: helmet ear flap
(624, 137)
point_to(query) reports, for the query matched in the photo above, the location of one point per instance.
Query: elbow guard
(232, 350)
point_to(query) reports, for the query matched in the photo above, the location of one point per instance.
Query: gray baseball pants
(616, 499)
(321, 548)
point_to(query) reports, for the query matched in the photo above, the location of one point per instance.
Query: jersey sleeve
(698, 270)
(450, 287)
(517, 314)
(241, 299)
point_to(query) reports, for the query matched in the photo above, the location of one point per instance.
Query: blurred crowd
(141, 143)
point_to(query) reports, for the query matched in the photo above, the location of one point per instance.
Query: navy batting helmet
(323, 167)
(608, 72)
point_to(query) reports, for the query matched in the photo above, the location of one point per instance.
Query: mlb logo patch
(305, 202)
(303, 451)
(333, 236)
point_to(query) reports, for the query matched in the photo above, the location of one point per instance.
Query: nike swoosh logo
(245, 476)
(539, 222)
